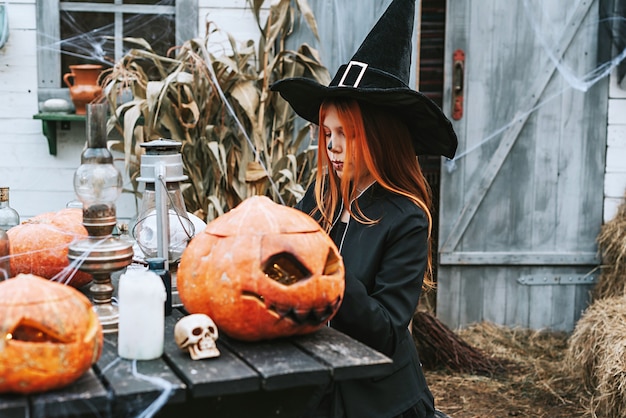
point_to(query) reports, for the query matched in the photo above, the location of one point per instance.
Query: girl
(371, 197)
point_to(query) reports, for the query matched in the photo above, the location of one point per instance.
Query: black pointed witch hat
(379, 73)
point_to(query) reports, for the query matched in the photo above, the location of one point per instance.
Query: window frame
(49, 35)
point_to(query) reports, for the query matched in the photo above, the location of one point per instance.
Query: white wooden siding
(615, 174)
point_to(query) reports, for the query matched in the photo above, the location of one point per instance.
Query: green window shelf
(49, 122)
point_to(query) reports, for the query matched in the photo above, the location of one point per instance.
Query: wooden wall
(615, 175)
(522, 208)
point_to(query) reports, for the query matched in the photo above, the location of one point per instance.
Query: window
(76, 31)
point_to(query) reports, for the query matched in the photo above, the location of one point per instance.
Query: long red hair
(378, 143)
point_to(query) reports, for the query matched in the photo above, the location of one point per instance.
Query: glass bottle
(8, 216)
(5, 271)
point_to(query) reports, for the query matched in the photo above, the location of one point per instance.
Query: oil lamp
(98, 183)
(163, 226)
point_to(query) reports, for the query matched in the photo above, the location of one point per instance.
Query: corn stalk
(238, 137)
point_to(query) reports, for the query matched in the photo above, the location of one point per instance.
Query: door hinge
(555, 279)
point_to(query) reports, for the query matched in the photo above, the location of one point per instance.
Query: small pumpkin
(262, 271)
(49, 335)
(39, 245)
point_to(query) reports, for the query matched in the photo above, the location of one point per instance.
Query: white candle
(141, 296)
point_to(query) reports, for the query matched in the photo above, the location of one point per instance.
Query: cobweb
(90, 42)
(547, 38)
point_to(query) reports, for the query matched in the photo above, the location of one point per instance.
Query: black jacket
(385, 266)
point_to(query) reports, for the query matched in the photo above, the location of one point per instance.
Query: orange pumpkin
(49, 335)
(262, 271)
(40, 245)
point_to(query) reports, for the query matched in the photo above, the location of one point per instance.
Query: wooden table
(262, 379)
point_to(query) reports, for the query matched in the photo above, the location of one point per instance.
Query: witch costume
(383, 278)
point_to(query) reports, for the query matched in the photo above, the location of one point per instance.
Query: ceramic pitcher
(82, 81)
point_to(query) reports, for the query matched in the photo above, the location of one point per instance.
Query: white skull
(197, 334)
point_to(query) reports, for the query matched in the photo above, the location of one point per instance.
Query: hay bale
(596, 356)
(612, 245)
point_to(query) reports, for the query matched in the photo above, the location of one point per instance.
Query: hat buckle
(363, 67)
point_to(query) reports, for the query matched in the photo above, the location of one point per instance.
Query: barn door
(521, 204)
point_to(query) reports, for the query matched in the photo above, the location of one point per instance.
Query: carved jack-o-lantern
(262, 271)
(49, 334)
(40, 244)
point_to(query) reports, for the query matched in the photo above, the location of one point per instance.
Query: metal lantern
(163, 227)
(98, 184)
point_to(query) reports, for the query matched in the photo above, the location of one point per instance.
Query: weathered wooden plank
(449, 295)
(502, 220)
(451, 195)
(545, 177)
(562, 316)
(238, 23)
(48, 45)
(86, 396)
(134, 392)
(280, 364)
(472, 288)
(187, 20)
(581, 300)
(479, 188)
(495, 296)
(342, 27)
(226, 374)
(347, 357)
(14, 406)
(519, 258)
(540, 306)
(517, 307)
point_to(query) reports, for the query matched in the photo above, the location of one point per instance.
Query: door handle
(458, 82)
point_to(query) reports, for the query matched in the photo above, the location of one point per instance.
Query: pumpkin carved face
(262, 271)
(40, 244)
(49, 335)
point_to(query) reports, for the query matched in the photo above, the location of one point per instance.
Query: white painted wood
(616, 135)
(239, 23)
(611, 205)
(615, 184)
(615, 158)
(617, 110)
(20, 16)
(221, 4)
(615, 174)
